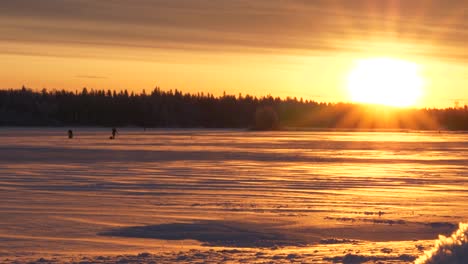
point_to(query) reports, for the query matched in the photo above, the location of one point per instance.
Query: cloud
(259, 26)
(90, 77)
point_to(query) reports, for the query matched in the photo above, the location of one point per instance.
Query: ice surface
(228, 196)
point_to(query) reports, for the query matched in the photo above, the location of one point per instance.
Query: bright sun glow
(385, 81)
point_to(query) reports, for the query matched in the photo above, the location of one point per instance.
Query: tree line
(174, 109)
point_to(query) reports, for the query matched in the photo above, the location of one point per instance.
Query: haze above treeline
(174, 109)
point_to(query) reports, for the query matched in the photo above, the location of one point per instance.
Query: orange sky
(283, 48)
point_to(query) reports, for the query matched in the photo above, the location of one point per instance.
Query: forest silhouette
(174, 109)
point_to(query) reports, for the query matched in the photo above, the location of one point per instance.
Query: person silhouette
(70, 133)
(114, 132)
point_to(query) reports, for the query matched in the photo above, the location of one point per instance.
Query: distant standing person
(114, 132)
(70, 133)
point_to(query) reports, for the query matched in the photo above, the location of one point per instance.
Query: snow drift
(453, 249)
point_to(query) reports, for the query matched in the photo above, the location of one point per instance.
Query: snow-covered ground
(209, 196)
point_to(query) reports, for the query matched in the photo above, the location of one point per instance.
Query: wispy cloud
(259, 26)
(91, 77)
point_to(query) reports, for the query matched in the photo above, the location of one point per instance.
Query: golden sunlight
(385, 81)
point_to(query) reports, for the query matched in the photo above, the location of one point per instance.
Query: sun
(385, 81)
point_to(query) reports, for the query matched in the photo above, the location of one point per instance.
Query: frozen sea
(228, 196)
